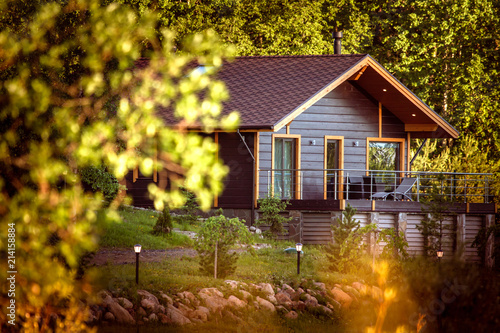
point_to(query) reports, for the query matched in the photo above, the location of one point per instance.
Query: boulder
(311, 302)
(342, 297)
(216, 303)
(327, 311)
(166, 299)
(361, 288)
(108, 316)
(353, 292)
(299, 306)
(292, 315)
(210, 292)
(377, 294)
(125, 303)
(141, 312)
(163, 319)
(236, 303)
(189, 298)
(153, 318)
(199, 314)
(176, 317)
(283, 299)
(246, 295)
(263, 304)
(272, 299)
(148, 301)
(267, 288)
(320, 285)
(121, 315)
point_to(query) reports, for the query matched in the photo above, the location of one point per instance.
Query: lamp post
(137, 249)
(440, 254)
(298, 247)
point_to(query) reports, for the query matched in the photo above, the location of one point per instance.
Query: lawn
(454, 295)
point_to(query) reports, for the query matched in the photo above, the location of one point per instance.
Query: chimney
(337, 44)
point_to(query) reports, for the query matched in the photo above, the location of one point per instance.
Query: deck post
(374, 218)
(461, 224)
(489, 259)
(402, 223)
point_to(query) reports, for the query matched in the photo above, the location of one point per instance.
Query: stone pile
(231, 301)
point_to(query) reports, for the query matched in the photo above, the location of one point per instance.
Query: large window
(385, 155)
(285, 167)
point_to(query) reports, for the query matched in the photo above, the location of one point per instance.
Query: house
(324, 130)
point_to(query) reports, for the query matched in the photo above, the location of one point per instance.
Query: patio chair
(401, 190)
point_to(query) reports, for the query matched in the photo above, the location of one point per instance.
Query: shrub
(217, 236)
(271, 208)
(98, 179)
(163, 223)
(345, 253)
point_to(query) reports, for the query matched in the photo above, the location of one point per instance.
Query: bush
(164, 223)
(217, 236)
(345, 253)
(98, 179)
(271, 208)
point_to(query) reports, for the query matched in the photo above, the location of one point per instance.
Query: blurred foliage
(73, 96)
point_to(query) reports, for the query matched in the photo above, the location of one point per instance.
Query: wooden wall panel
(237, 191)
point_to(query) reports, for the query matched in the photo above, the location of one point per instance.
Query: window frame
(341, 164)
(297, 137)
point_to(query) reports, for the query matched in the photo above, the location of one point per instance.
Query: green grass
(136, 227)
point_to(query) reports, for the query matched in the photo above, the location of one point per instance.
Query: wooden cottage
(325, 130)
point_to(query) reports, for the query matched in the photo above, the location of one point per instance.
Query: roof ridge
(302, 56)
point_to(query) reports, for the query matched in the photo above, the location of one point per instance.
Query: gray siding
(346, 112)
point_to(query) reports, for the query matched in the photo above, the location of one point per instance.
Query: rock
(286, 287)
(292, 315)
(184, 309)
(266, 304)
(141, 312)
(320, 285)
(216, 303)
(299, 306)
(148, 301)
(258, 231)
(210, 292)
(153, 318)
(103, 293)
(326, 310)
(377, 294)
(246, 295)
(125, 303)
(176, 317)
(199, 314)
(233, 284)
(353, 292)
(166, 299)
(149, 305)
(272, 299)
(189, 297)
(121, 315)
(108, 316)
(334, 305)
(252, 228)
(267, 288)
(311, 302)
(163, 319)
(361, 288)
(283, 299)
(236, 303)
(342, 297)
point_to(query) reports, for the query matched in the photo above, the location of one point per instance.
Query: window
(385, 155)
(285, 164)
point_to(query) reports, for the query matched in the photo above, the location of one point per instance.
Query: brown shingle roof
(265, 89)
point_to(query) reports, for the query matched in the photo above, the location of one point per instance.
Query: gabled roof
(270, 91)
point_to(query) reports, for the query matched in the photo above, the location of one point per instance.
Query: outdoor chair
(401, 191)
